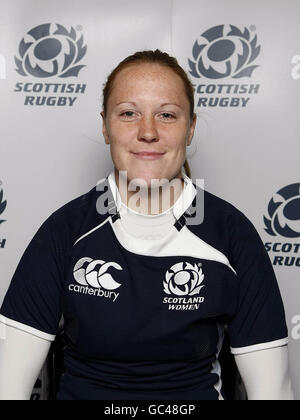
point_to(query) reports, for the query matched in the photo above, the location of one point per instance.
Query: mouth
(148, 155)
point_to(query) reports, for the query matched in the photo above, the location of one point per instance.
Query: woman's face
(148, 112)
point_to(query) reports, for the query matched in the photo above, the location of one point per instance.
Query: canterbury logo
(89, 272)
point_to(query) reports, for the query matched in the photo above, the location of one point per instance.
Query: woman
(146, 294)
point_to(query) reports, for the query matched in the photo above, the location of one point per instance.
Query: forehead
(148, 79)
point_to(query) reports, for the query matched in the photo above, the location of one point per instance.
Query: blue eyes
(129, 115)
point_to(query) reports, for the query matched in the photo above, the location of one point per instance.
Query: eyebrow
(134, 104)
(171, 103)
(126, 102)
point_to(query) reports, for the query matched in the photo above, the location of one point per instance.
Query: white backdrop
(246, 53)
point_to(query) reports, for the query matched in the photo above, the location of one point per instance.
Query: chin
(145, 179)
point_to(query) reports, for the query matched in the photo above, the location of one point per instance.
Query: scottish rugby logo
(284, 212)
(2, 208)
(50, 50)
(2, 205)
(224, 51)
(47, 52)
(183, 280)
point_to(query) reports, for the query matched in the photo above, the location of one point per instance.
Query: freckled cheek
(175, 142)
(122, 138)
(120, 149)
(173, 132)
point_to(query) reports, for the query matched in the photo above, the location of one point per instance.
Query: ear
(104, 128)
(192, 129)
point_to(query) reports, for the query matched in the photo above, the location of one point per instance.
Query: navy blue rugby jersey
(146, 319)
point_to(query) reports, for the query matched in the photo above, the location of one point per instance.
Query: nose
(148, 130)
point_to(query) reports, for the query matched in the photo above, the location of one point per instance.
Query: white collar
(181, 205)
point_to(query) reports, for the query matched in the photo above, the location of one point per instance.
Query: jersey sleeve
(33, 300)
(259, 319)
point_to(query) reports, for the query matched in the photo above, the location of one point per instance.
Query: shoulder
(218, 205)
(219, 212)
(225, 212)
(224, 226)
(76, 216)
(76, 208)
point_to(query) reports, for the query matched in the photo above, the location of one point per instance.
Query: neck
(150, 200)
